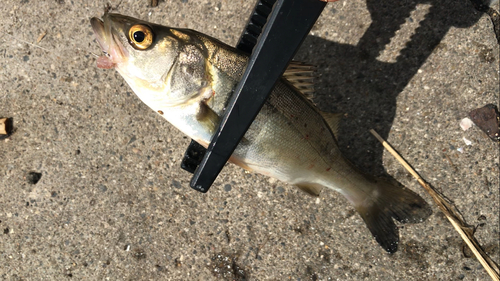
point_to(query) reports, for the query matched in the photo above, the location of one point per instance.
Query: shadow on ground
(365, 88)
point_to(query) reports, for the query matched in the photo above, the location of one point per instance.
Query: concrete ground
(112, 202)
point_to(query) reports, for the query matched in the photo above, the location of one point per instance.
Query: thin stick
(451, 212)
(34, 45)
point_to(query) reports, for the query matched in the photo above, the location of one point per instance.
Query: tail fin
(392, 200)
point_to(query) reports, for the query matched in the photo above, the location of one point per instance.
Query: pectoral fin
(208, 118)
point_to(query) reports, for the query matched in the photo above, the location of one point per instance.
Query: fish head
(161, 64)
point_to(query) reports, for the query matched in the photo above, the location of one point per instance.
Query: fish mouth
(100, 34)
(111, 46)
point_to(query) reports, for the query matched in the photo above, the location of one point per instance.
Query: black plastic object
(288, 24)
(255, 25)
(195, 152)
(193, 156)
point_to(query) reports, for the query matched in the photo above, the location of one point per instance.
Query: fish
(188, 77)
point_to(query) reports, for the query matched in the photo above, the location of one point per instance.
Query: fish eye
(140, 36)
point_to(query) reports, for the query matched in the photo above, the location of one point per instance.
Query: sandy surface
(113, 204)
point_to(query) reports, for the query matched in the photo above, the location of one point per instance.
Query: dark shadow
(352, 81)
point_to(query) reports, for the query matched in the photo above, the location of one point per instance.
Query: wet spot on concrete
(311, 273)
(67, 79)
(176, 184)
(415, 252)
(487, 55)
(33, 177)
(224, 266)
(302, 229)
(139, 254)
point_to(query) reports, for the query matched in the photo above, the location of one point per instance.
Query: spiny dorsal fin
(333, 121)
(301, 76)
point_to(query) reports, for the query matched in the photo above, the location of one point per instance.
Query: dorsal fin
(333, 121)
(301, 76)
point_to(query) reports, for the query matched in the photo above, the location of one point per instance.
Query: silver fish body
(188, 77)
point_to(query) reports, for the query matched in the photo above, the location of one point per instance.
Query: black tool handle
(195, 152)
(289, 23)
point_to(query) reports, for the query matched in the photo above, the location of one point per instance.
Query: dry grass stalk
(451, 212)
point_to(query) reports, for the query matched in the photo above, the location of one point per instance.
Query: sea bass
(188, 77)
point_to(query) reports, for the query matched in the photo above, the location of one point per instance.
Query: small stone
(6, 127)
(466, 123)
(33, 177)
(487, 119)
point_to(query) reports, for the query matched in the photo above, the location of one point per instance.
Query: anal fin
(333, 121)
(310, 188)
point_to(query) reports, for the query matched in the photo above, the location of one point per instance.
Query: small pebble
(466, 123)
(33, 177)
